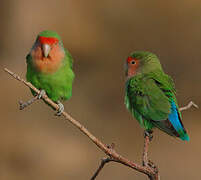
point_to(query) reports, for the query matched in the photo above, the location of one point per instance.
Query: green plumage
(149, 94)
(143, 95)
(58, 85)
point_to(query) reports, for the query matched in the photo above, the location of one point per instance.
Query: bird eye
(132, 62)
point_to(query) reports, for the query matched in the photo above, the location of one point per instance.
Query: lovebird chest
(56, 82)
(47, 65)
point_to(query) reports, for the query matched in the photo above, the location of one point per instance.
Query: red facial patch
(132, 64)
(129, 59)
(48, 40)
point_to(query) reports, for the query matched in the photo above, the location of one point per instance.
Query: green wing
(148, 98)
(149, 95)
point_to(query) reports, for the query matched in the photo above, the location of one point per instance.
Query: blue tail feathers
(175, 121)
(185, 137)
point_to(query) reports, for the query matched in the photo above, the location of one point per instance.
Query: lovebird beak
(46, 49)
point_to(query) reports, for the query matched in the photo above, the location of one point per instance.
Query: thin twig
(154, 176)
(188, 106)
(29, 102)
(103, 162)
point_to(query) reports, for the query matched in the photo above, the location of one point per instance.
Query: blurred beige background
(99, 34)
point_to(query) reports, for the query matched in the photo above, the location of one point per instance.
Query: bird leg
(61, 108)
(147, 138)
(42, 93)
(148, 133)
(32, 100)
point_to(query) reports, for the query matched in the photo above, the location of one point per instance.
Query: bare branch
(103, 162)
(110, 152)
(188, 106)
(29, 102)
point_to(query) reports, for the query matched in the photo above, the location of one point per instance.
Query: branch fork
(148, 168)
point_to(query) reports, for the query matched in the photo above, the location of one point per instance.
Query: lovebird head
(46, 43)
(47, 52)
(140, 62)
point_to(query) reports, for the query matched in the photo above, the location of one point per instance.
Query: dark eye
(132, 62)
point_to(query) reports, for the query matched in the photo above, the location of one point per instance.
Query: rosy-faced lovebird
(150, 95)
(49, 68)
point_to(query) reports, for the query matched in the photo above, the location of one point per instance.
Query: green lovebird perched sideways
(150, 95)
(49, 68)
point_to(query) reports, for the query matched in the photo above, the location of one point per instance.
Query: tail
(175, 120)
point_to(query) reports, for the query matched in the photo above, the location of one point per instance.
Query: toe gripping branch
(60, 110)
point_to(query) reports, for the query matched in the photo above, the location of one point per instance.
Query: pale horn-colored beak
(46, 49)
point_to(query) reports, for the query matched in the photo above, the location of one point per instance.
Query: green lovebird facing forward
(49, 68)
(150, 95)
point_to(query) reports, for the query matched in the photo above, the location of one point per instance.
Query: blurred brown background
(34, 144)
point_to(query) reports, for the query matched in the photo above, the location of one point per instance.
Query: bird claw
(42, 93)
(60, 110)
(149, 134)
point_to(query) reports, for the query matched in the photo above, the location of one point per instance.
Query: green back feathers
(143, 94)
(148, 98)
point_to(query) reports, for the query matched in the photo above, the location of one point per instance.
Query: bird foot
(42, 93)
(148, 133)
(61, 109)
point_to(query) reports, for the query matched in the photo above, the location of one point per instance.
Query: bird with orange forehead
(49, 68)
